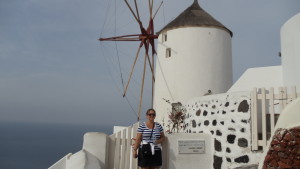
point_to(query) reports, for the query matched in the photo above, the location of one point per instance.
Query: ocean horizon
(38, 146)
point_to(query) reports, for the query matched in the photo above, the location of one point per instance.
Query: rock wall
(284, 151)
(227, 118)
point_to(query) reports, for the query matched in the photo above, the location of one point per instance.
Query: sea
(38, 146)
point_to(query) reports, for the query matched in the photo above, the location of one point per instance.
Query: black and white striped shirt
(146, 133)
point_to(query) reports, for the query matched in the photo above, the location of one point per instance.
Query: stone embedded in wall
(223, 112)
(214, 122)
(232, 121)
(242, 159)
(227, 104)
(206, 122)
(218, 162)
(222, 122)
(228, 150)
(242, 142)
(231, 138)
(284, 149)
(228, 159)
(244, 121)
(244, 106)
(231, 129)
(198, 112)
(219, 133)
(242, 130)
(218, 145)
(205, 113)
(194, 123)
(214, 106)
(212, 132)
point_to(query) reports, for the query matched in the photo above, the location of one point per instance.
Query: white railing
(266, 106)
(120, 150)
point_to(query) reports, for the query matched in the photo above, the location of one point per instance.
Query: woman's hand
(135, 155)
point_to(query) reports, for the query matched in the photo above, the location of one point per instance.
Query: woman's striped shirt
(146, 133)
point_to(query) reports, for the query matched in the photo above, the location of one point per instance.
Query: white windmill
(194, 56)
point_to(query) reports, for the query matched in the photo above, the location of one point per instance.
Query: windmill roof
(194, 16)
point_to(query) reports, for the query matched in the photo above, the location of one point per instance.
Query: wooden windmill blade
(147, 38)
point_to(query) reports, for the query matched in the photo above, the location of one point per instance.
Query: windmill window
(165, 37)
(168, 52)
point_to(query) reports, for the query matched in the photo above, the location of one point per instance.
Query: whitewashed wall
(201, 60)
(256, 78)
(226, 117)
(290, 51)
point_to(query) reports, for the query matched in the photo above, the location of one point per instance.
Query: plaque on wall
(191, 146)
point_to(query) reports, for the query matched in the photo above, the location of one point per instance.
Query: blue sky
(53, 69)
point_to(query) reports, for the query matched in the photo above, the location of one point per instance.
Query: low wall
(226, 117)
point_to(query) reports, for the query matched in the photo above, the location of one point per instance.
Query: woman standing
(152, 133)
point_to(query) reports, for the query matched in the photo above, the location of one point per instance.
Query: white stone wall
(227, 118)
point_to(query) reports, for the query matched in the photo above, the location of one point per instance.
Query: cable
(116, 46)
(136, 83)
(115, 83)
(164, 13)
(165, 79)
(106, 16)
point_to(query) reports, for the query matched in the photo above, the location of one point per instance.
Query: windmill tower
(194, 56)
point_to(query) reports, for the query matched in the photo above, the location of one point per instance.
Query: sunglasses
(152, 115)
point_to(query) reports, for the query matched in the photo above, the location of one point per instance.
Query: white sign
(191, 146)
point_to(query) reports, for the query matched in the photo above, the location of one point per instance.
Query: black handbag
(146, 148)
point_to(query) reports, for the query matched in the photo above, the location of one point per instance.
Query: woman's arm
(161, 139)
(138, 140)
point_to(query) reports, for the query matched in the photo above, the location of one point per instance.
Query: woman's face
(151, 115)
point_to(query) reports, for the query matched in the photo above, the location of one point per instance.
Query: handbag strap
(152, 131)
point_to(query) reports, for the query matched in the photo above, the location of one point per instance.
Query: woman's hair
(150, 110)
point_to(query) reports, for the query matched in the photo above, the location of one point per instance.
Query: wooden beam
(136, 18)
(132, 68)
(142, 90)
